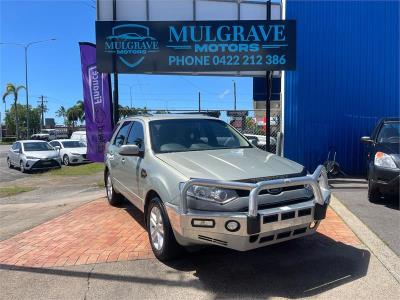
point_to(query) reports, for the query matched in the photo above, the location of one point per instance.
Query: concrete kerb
(382, 252)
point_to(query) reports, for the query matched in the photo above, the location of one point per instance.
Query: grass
(87, 169)
(14, 190)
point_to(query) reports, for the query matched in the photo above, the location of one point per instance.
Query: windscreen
(73, 144)
(37, 146)
(389, 133)
(179, 135)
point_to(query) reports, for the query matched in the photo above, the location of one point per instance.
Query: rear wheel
(161, 236)
(66, 160)
(373, 192)
(113, 197)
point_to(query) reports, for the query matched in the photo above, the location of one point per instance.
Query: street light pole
(26, 47)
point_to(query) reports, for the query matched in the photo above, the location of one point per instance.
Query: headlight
(384, 160)
(32, 157)
(214, 194)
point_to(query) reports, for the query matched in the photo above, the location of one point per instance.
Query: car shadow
(299, 268)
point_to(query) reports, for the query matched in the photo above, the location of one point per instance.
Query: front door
(115, 158)
(132, 165)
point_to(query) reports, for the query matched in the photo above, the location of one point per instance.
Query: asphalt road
(382, 218)
(6, 174)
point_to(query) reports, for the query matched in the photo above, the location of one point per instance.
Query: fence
(250, 123)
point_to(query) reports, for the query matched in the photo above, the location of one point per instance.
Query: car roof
(66, 140)
(392, 119)
(31, 141)
(169, 117)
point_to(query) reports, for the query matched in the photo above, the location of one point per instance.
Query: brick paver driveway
(97, 232)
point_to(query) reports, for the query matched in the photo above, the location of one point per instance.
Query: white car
(71, 151)
(79, 135)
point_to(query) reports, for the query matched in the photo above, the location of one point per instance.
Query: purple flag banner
(97, 103)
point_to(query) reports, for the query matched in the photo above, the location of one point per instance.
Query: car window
(73, 144)
(136, 136)
(122, 134)
(37, 146)
(54, 144)
(389, 133)
(14, 146)
(193, 135)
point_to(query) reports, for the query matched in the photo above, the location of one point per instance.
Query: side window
(122, 134)
(53, 144)
(14, 146)
(18, 147)
(136, 136)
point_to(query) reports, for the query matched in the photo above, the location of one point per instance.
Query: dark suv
(383, 159)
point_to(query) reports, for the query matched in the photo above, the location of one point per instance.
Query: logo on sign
(131, 42)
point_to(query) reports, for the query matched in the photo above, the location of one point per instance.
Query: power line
(42, 105)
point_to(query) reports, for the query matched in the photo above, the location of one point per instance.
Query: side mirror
(367, 140)
(253, 141)
(57, 148)
(129, 150)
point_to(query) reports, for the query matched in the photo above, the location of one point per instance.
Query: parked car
(383, 159)
(198, 181)
(260, 140)
(79, 135)
(32, 155)
(49, 135)
(71, 151)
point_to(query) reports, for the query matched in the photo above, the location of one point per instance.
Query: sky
(54, 66)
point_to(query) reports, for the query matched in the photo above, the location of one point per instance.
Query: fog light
(203, 223)
(232, 226)
(313, 224)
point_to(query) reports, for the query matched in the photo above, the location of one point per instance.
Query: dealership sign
(195, 46)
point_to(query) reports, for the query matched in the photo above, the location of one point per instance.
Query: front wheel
(161, 236)
(66, 160)
(373, 192)
(21, 166)
(9, 164)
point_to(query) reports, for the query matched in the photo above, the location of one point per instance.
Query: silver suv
(199, 181)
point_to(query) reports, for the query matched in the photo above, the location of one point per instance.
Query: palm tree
(62, 113)
(11, 89)
(81, 110)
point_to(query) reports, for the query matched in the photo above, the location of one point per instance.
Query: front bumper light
(384, 160)
(212, 194)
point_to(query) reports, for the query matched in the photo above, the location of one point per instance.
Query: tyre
(9, 164)
(161, 236)
(66, 160)
(373, 192)
(113, 197)
(21, 167)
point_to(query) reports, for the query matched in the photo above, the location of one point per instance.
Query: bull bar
(259, 232)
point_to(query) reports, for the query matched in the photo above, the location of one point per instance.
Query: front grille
(279, 204)
(45, 164)
(259, 179)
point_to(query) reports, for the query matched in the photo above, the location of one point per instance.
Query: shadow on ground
(299, 268)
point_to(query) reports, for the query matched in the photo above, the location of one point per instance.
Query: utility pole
(234, 94)
(42, 109)
(199, 102)
(268, 93)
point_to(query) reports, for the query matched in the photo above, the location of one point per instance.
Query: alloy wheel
(109, 188)
(66, 160)
(156, 228)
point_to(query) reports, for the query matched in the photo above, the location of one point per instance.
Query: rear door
(114, 157)
(13, 153)
(132, 166)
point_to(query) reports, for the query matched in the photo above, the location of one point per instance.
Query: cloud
(223, 94)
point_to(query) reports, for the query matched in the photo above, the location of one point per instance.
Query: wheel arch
(150, 195)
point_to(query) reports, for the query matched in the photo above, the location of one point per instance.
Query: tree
(62, 113)
(12, 90)
(33, 115)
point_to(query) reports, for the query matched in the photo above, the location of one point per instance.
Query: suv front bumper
(255, 228)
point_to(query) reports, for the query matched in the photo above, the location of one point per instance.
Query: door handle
(123, 160)
(143, 173)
